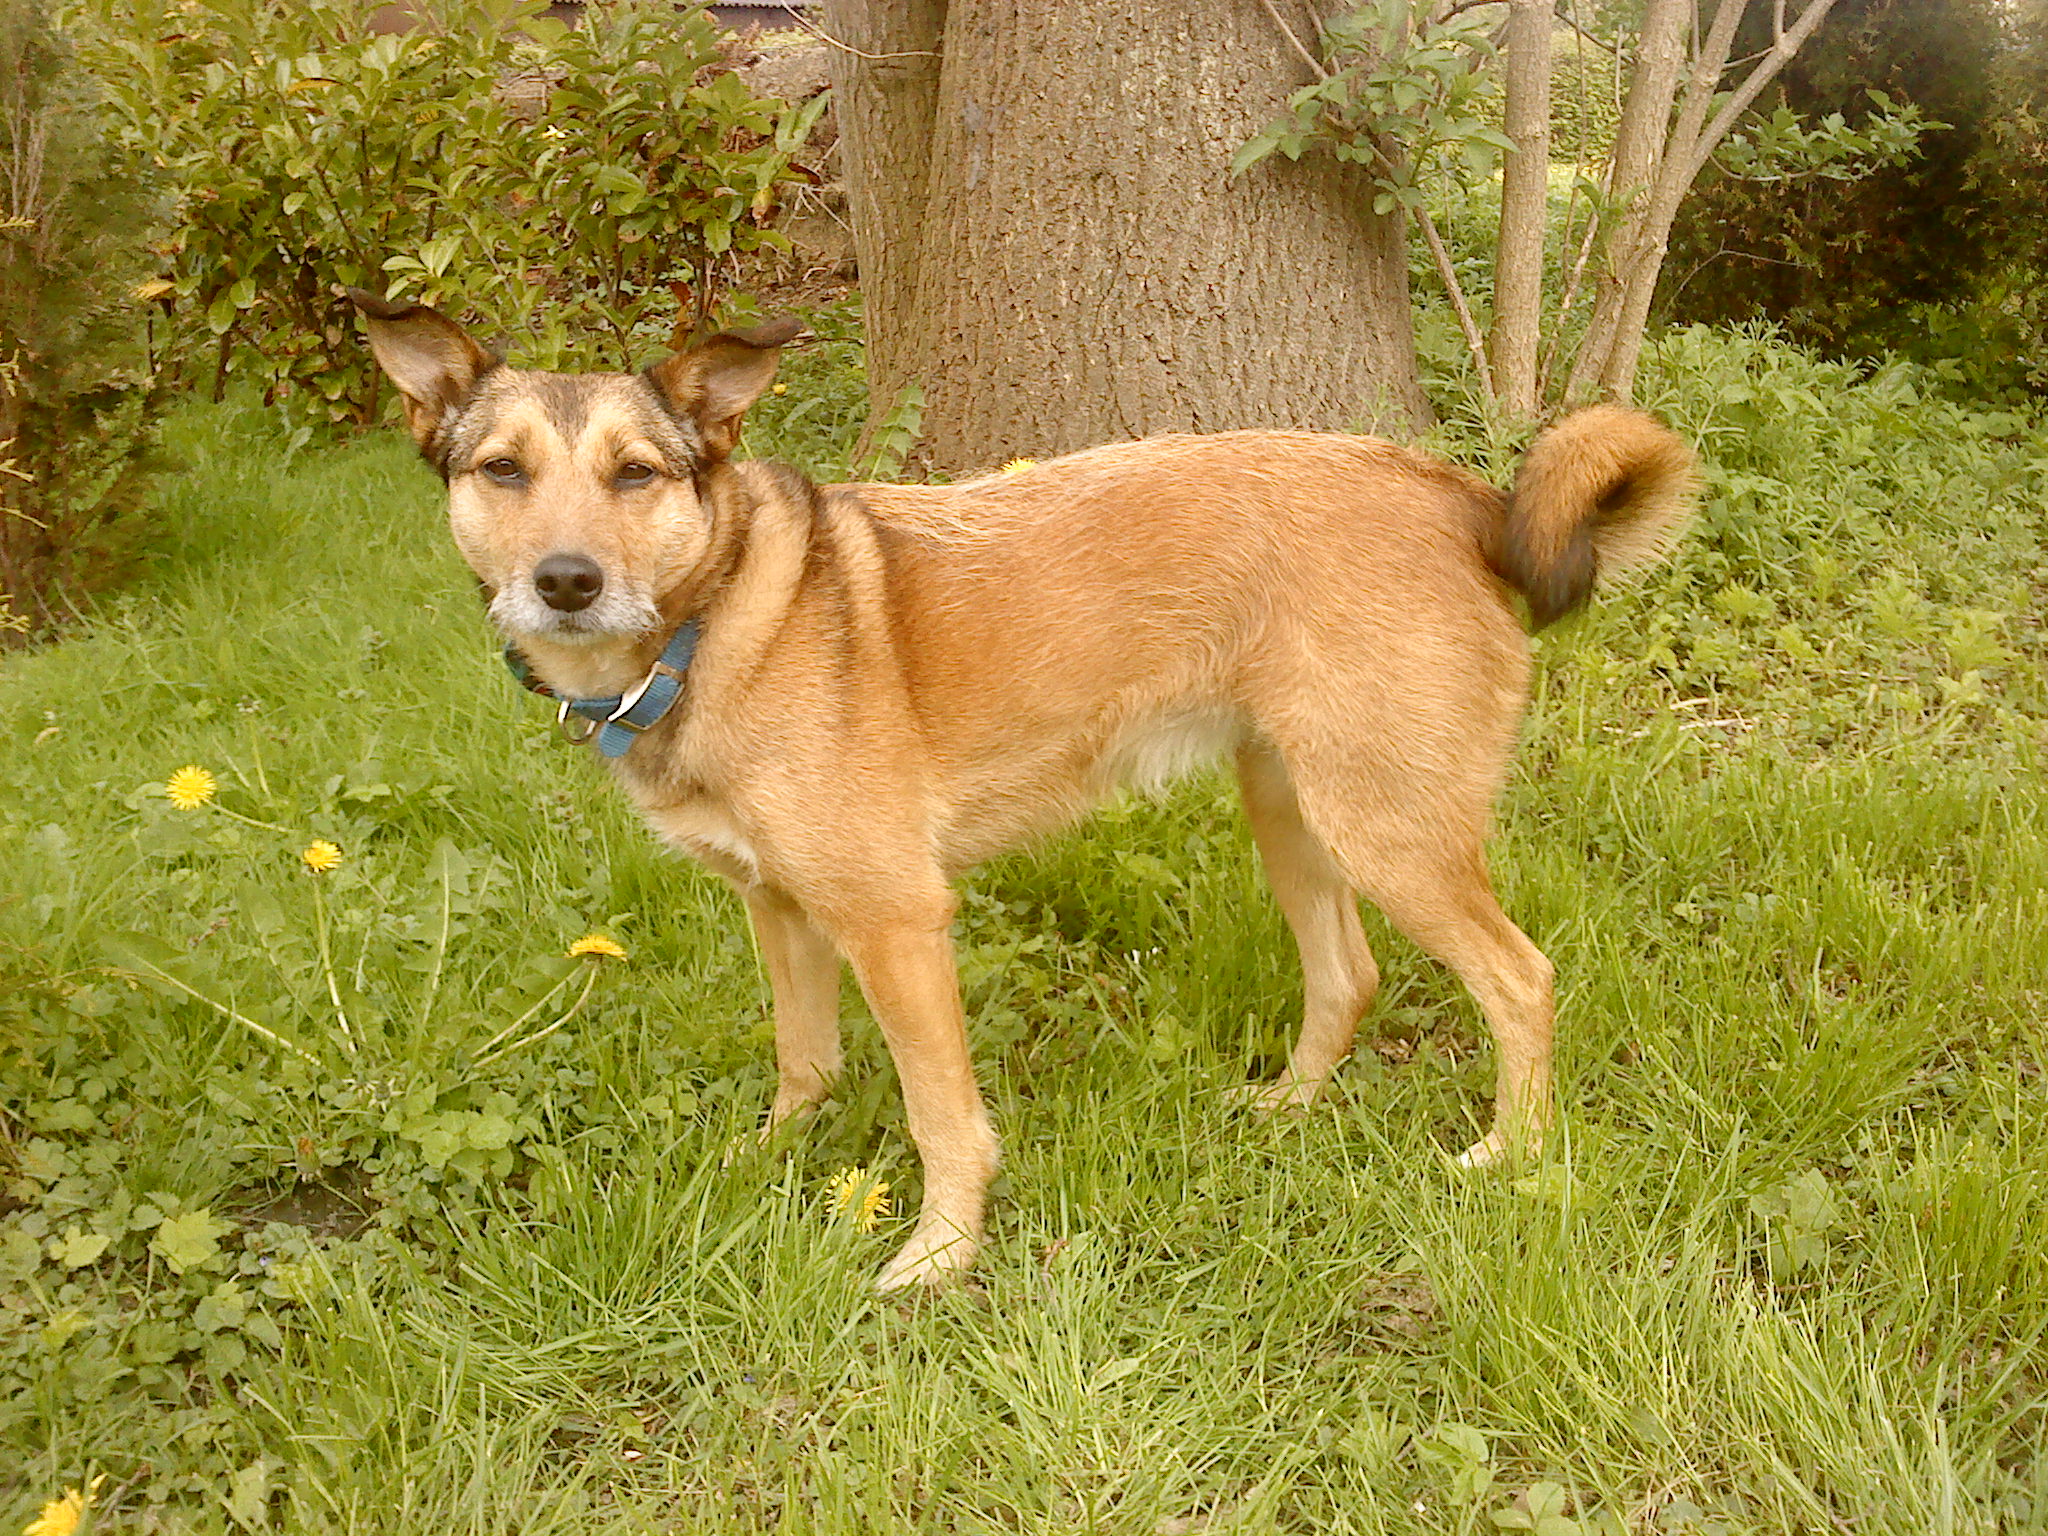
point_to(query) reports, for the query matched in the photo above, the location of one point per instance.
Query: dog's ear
(715, 381)
(428, 356)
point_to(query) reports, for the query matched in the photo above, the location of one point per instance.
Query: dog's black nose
(568, 582)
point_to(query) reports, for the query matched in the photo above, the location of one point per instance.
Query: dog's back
(1125, 611)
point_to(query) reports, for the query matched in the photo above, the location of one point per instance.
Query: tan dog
(894, 682)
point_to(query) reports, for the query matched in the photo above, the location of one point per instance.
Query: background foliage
(572, 190)
(77, 396)
(1936, 255)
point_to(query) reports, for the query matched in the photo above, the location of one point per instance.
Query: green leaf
(225, 1308)
(487, 1132)
(20, 1254)
(437, 253)
(248, 1497)
(189, 1241)
(1544, 1513)
(79, 1249)
(261, 909)
(140, 954)
(1254, 151)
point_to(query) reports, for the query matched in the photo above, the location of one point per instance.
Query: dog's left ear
(715, 381)
(428, 356)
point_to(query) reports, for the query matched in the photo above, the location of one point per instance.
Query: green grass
(1779, 822)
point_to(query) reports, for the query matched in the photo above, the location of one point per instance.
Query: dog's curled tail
(1601, 490)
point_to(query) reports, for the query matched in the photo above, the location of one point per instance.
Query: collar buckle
(576, 729)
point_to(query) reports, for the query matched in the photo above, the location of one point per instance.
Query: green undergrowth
(348, 1202)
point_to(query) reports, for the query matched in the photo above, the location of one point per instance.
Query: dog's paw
(786, 1117)
(1499, 1149)
(773, 1136)
(937, 1252)
(1284, 1095)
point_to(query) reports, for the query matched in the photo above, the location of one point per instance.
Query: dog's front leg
(905, 966)
(803, 976)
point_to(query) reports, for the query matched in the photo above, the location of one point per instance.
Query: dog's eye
(504, 471)
(631, 477)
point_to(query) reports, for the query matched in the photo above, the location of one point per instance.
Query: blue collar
(617, 721)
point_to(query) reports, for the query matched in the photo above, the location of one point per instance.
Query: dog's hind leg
(904, 959)
(1338, 976)
(1413, 844)
(803, 975)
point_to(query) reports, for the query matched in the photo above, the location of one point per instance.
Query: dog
(884, 685)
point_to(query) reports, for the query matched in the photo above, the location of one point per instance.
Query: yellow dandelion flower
(1018, 466)
(860, 1197)
(320, 856)
(60, 1517)
(602, 945)
(782, 389)
(190, 788)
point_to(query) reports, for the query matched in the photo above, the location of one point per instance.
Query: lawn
(346, 1202)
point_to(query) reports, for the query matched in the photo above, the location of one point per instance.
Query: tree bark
(1084, 268)
(1524, 195)
(886, 93)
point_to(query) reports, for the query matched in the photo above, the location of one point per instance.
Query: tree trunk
(886, 97)
(1524, 194)
(1069, 260)
(1639, 144)
(1622, 313)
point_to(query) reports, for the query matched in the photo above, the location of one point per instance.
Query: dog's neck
(591, 669)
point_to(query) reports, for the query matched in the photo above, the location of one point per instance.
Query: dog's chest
(708, 832)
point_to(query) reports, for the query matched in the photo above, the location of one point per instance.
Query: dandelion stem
(226, 1012)
(541, 1034)
(348, 1037)
(251, 821)
(517, 1024)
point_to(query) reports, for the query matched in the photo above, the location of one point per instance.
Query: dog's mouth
(616, 614)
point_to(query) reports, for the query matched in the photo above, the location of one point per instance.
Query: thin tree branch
(843, 46)
(1474, 342)
(1707, 261)
(1597, 42)
(1430, 235)
(1299, 47)
(1746, 93)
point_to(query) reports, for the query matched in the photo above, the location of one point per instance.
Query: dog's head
(580, 500)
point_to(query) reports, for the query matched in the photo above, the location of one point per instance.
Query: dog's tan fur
(895, 682)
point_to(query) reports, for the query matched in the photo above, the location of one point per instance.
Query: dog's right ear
(428, 356)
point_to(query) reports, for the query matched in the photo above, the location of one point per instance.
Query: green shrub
(1585, 99)
(77, 406)
(1926, 254)
(566, 188)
